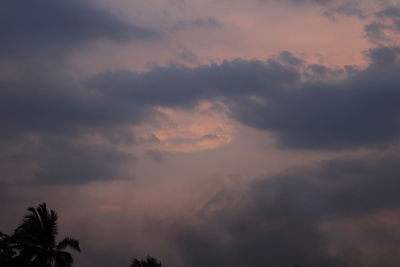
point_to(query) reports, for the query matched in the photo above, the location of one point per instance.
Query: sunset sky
(226, 133)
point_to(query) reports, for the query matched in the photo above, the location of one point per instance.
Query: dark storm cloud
(343, 188)
(30, 26)
(38, 95)
(355, 112)
(250, 241)
(177, 85)
(39, 101)
(42, 123)
(360, 110)
(62, 162)
(63, 110)
(276, 222)
(35, 108)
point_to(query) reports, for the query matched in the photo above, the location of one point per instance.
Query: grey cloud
(343, 188)
(318, 72)
(52, 26)
(385, 57)
(64, 163)
(385, 24)
(276, 221)
(319, 2)
(208, 23)
(189, 56)
(289, 58)
(391, 11)
(155, 155)
(43, 119)
(57, 160)
(375, 32)
(153, 139)
(355, 112)
(252, 242)
(42, 101)
(177, 85)
(333, 8)
(210, 136)
(352, 8)
(39, 106)
(322, 2)
(42, 122)
(360, 110)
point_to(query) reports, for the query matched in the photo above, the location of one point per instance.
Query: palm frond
(149, 262)
(69, 242)
(48, 220)
(137, 263)
(63, 259)
(35, 240)
(41, 225)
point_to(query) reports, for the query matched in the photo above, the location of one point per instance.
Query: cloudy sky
(205, 132)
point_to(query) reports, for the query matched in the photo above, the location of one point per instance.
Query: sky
(205, 133)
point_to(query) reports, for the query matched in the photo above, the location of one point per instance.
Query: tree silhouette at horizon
(149, 262)
(33, 243)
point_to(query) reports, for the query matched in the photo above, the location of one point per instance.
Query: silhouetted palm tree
(36, 240)
(149, 262)
(7, 251)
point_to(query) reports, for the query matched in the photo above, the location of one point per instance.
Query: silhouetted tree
(149, 262)
(35, 240)
(7, 251)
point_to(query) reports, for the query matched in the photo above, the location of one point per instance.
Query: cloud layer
(146, 155)
(277, 220)
(45, 26)
(299, 103)
(312, 112)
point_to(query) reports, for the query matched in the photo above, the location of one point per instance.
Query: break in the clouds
(299, 103)
(359, 110)
(96, 120)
